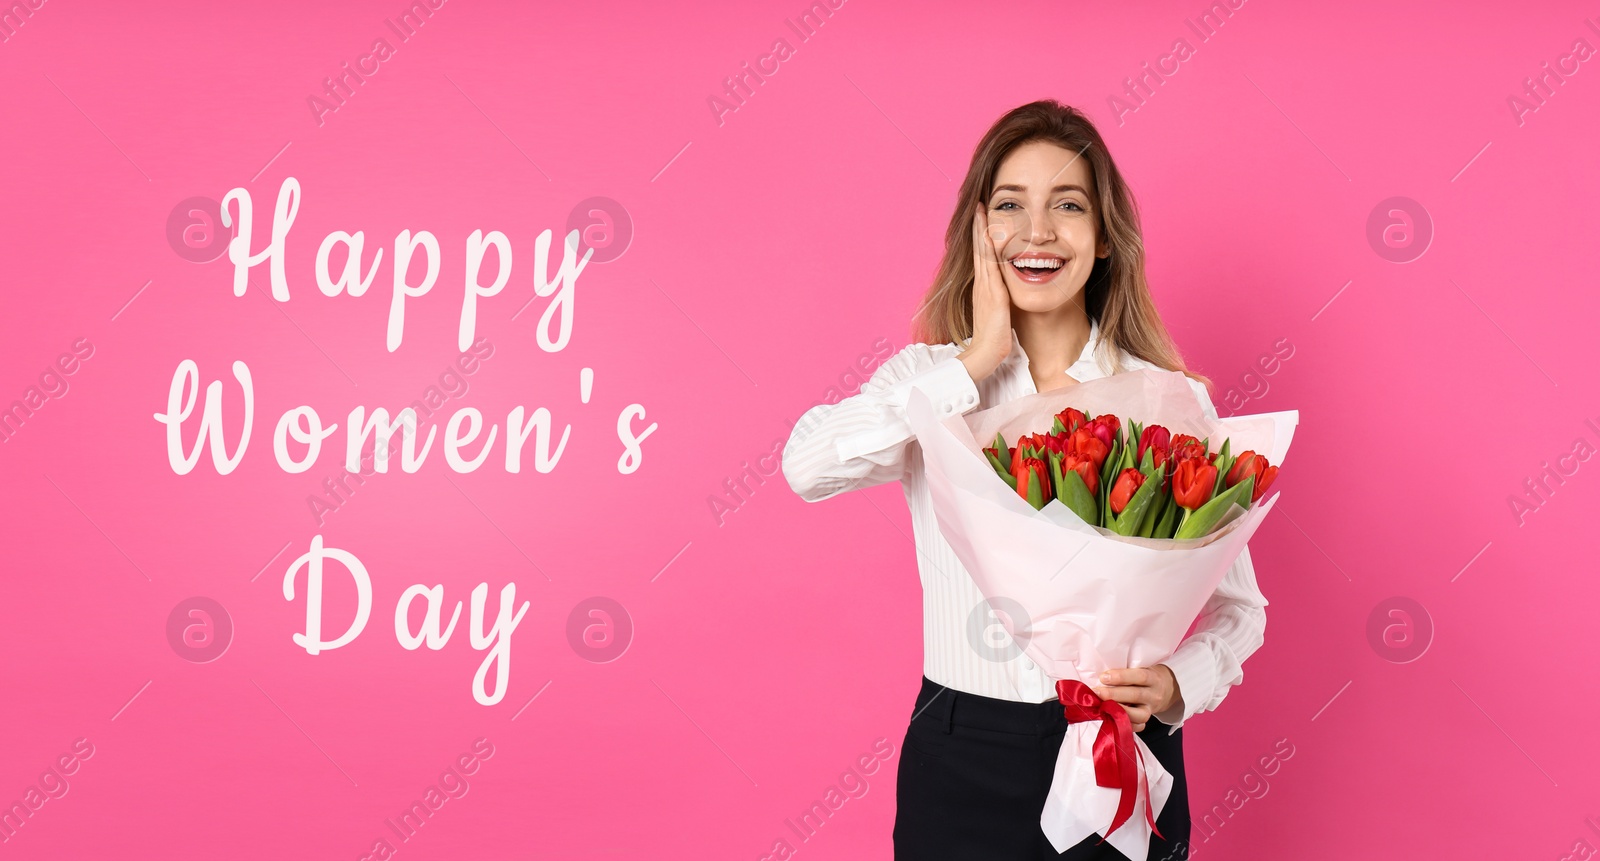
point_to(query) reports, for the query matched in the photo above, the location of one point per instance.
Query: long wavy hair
(1116, 295)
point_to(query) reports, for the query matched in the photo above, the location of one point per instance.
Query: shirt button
(1027, 664)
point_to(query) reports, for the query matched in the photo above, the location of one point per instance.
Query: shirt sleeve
(861, 440)
(1210, 662)
(1231, 627)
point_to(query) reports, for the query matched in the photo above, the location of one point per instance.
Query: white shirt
(865, 440)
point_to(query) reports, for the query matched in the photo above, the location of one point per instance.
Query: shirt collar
(1087, 367)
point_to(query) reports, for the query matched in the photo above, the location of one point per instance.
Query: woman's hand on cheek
(1142, 692)
(991, 303)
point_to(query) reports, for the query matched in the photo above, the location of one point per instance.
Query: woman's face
(1044, 226)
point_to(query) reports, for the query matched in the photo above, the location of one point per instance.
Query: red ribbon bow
(1116, 757)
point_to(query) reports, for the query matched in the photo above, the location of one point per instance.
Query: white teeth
(1036, 263)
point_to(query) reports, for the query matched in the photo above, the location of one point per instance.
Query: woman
(1042, 286)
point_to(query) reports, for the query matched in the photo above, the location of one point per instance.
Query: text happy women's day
(299, 433)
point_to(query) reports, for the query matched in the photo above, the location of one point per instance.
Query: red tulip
(1085, 467)
(1033, 482)
(1243, 466)
(1154, 435)
(1086, 442)
(1105, 427)
(1158, 456)
(1193, 481)
(1127, 484)
(1166, 461)
(1072, 419)
(1185, 447)
(1252, 464)
(1264, 482)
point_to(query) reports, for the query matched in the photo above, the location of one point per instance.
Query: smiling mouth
(1037, 270)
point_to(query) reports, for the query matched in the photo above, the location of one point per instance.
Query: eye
(1073, 204)
(1002, 205)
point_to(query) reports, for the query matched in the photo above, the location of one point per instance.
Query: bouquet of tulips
(1111, 543)
(1148, 483)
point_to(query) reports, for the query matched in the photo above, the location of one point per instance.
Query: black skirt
(974, 773)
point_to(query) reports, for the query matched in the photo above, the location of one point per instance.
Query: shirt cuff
(1195, 670)
(948, 385)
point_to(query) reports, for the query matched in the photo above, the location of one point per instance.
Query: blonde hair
(1116, 296)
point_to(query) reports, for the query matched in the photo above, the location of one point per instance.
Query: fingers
(1128, 676)
(986, 269)
(1128, 695)
(991, 301)
(982, 246)
(1131, 687)
(988, 279)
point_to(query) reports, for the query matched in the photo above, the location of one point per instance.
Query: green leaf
(1000, 468)
(1005, 453)
(1204, 519)
(1108, 470)
(1105, 496)
(1035, 494)
(1249, 489)
(1224, 463)
(1132, 517)
(1058, 427)
(1075, 495)
(1169, 519)
(1157, 511)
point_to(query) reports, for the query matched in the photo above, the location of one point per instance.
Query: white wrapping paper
(1094, 600)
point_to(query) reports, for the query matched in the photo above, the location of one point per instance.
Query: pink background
(771, 650)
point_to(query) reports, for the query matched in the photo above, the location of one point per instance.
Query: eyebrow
(1000, 188)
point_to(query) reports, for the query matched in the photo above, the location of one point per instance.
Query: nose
(1038, 230)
